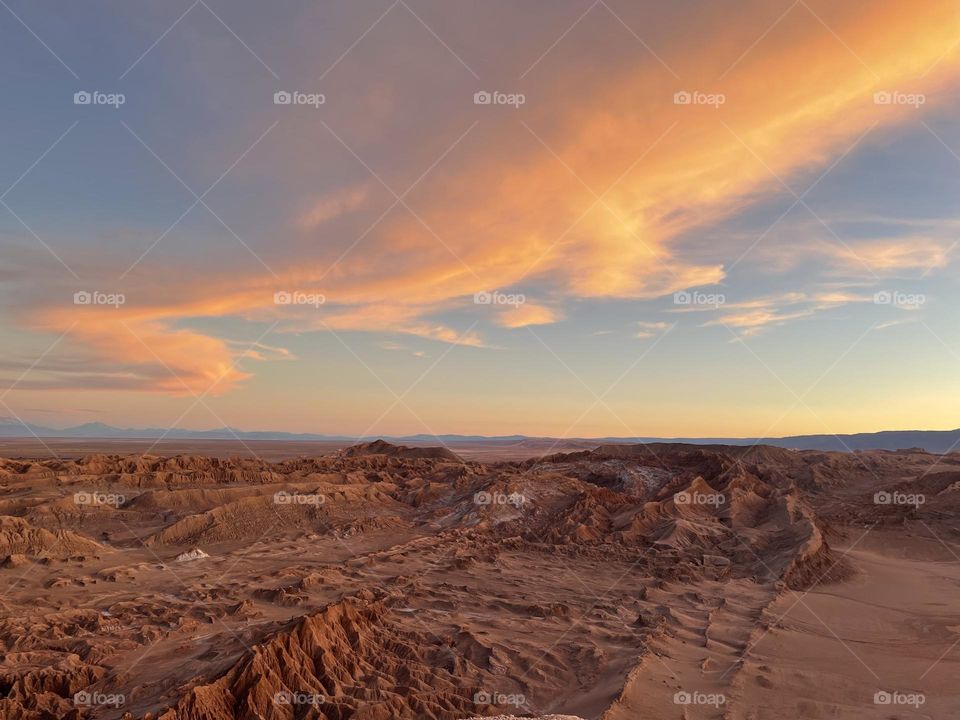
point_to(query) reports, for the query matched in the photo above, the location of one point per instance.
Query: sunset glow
(736, 222)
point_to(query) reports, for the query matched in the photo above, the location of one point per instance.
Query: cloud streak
(586, 197)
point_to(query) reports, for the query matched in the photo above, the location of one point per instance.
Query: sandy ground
(667, 582)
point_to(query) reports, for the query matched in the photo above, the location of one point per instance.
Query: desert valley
(380, 581)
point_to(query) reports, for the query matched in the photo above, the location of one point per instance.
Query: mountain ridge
(934, 441)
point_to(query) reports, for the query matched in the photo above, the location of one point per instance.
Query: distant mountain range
(935, 441)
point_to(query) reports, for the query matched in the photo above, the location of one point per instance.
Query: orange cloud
(905, 253)
(532, 209)
(650, 329)
(884, 256)
(588, 195)
(526, 314)
(148, 353)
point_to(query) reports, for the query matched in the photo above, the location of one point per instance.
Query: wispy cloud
(527, 314)
(895, 323)
(650, 329)
(333, 206)
(753, 316)
(586, 199)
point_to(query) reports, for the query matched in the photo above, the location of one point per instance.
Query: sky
(559, 218)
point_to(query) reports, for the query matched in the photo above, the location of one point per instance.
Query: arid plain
(377, 581)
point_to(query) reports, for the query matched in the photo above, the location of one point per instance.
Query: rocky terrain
(656, 581)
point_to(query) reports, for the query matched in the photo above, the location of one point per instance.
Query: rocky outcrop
(20, 538)
(347, 661)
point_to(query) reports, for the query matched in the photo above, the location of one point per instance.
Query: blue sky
(815, 219)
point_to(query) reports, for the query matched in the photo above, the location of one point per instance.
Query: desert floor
(658, 582)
